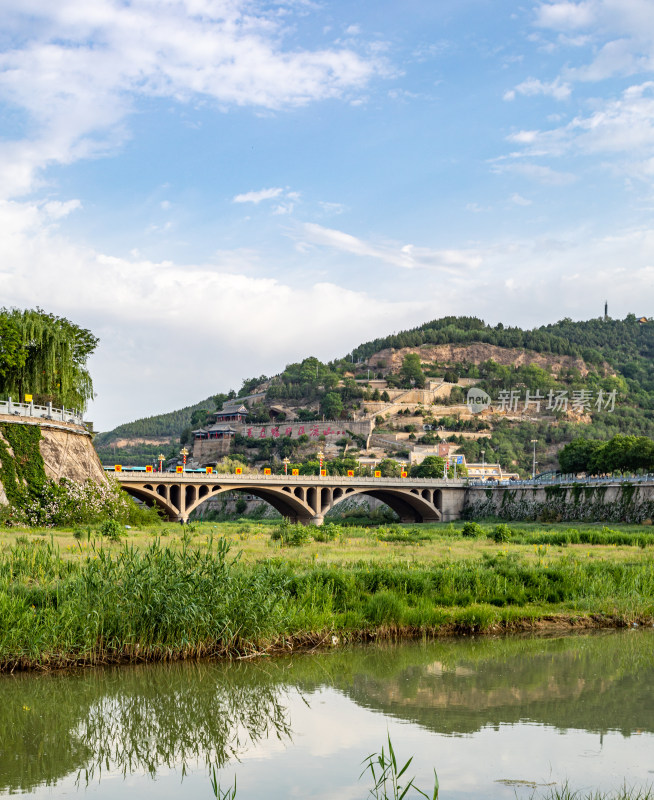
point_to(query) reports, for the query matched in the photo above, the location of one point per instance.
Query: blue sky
(218, 187)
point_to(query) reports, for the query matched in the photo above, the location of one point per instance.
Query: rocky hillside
(414, 385)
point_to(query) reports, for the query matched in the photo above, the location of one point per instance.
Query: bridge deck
(287, 480)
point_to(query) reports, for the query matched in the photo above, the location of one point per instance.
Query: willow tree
(45, 356)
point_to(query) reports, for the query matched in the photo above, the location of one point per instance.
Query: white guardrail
(564, 480)
(40, 412)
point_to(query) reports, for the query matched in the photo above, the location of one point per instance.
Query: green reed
(163, 603)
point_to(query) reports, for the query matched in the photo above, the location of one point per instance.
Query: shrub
(327, 533)
(290, 534)
(501, 533)
(112, 529)
(472, 529)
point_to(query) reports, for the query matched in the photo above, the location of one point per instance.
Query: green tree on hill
(411, 370)
(331, 405)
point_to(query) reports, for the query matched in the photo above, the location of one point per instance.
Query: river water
(496, 717)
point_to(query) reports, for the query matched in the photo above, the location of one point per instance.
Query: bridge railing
(41, 412)
(561, 480)
(140, 474)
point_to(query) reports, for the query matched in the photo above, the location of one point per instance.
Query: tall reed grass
(160, 603)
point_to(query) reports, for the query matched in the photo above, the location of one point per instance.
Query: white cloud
(519, 200)
(566, 15)
(57, 209)
(407, 256)
(623, 126)
(257, 197)
(153, 314)
(77, 67)
(620, 32)
(534, 86)
(536, 172)
(524, 137)
(331, 208)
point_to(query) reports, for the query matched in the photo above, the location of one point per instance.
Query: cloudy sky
(219, 187)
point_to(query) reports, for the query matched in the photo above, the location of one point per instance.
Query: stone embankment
(67, 450)
(618, 501)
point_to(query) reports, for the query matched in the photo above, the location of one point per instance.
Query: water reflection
(133, 719)
(154, 719)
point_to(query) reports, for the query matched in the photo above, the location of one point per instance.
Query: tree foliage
(619, 454)
(42, 354)
(411, 370)
(431, 467)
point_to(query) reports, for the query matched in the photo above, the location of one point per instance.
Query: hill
(414, 382)
(143, 439)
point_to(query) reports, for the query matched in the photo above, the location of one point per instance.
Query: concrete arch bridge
(304, 499)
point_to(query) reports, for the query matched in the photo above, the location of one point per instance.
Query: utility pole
(533, 468)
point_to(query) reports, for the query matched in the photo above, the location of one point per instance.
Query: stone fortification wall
(612, 502)
(206, 451)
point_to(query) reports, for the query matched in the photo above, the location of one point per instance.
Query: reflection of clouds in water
(330, 740)
(503, 710)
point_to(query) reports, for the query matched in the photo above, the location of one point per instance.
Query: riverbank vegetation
(81, 597)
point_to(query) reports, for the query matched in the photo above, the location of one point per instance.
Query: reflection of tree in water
(133, 718)
(145, 718)
(595, 683)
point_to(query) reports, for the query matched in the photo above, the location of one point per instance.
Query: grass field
(171, 591)
(391, 543)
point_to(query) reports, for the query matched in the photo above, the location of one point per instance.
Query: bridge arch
(408, 506)
(153, 497)
(286, 503)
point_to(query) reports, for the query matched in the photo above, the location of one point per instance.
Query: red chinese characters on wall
(302, 430)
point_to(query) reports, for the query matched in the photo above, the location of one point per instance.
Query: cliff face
(69, 454)
(479, 352)
(67, 451)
